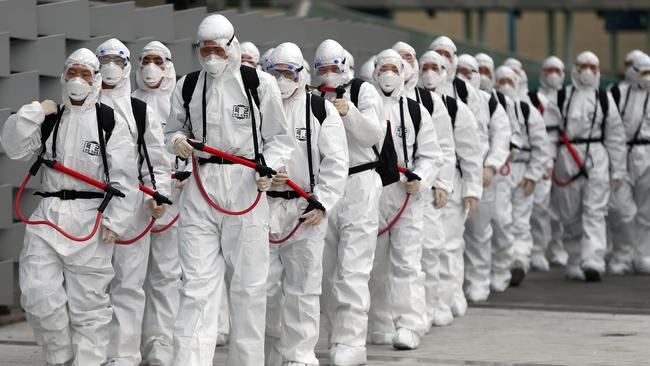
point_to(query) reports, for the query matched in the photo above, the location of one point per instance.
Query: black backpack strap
(403, 127)
(318, 107)
(251, 83)
(310, 162)
(502, 99)
(452, 109)
(534, 98)
(140, 114)
(424, 97)
(492, 104)
(604, 105)
(525, 110)
(561, 96)
(189, 85)
(355, 87)
(105, 125)
(416, 118)
(616, 94)
(51, 123)
(461, 89)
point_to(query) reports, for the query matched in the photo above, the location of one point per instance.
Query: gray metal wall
(36, 36)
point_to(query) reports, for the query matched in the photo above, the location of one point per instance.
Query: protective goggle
(291, 72)
(337, 62)
(155, 58)
(217, 46)
(82, 72)
(117, 60)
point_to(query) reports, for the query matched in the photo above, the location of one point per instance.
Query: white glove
(263, 183)
(108, 236)
(182, 148)
(49, 107)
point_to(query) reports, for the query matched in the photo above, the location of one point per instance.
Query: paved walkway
(546, 322)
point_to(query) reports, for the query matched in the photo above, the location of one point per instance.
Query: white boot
(406, 339)
(344, 355)
(539, 263)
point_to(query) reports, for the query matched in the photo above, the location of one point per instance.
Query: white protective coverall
(433, 236)
(250, 55)
(478, 228)
(582, 204)
(545, 226)
(512, 240)
(64, 283)
(349, 62)
(163, 279)
(296, 266)
(130, 261)
(629, 75)
(352, 229)
(455, 223)
(398, 256)
(441, 257)
(368, 67)
(212, 243)
(629, 211)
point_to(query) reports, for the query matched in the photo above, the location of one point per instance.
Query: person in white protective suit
(397, 269)
(630, 76)
(349, 62)
(156, 79)
(629, 211)
(545, 226)
(512, 242)
(250, 55)
(518, 68)
(212, 243)
(352, 224)
(130, 261)
(264, 59)
(599, 141)
(64, 283)
(478, 228)
(319, 165)
(455, 223)
(436, 198)
(366, 70)
(441, 257)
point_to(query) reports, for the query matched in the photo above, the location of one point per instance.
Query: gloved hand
(157, 211)
(471, 204)
(440, 198)
(488, 174)
(547, 174)
(412, 187)
(182, 148)
(617, 184)
(528, 186)
(341, 106)
(180, 184)
(263, 183)
(280, 178)
(313, 217)
(511, 156)
(49, 107)
(108, 236)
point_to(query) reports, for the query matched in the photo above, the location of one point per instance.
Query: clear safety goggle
(336, 65)
(288, 71)
(217, 47)
(76, 70)
(157, 59)
(116, 59)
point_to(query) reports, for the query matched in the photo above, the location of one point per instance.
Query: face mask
(287, 87)
(332, 79)
(630, 74)
(151, 74)
(485, 83)
(588, 78)
(431, 79)
(408, 71)
(388, 81)
(214, 65)
(111, 73)
(555, 81)
(644, 82)
(508, 91)
(77, 89)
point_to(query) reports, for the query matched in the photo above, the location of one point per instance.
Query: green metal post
(613, 50)
(550, 35)
(468, 25)
(481, 27)
(568, 37)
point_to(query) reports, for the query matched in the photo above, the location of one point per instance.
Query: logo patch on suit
(241, 111)
(399, 132)
(301, 134)
(91, 148)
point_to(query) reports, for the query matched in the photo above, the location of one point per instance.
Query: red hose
(291, 233)
(212, 203)
(396, 218)
(576, 158)
(166, 227)
(139, 236)
(505, 166)
(51, 224)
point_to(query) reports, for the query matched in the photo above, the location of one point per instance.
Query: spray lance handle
(339, 90)
(181, 175)
(313, 204)
(410, 176)
(262, 169)
(111, 192)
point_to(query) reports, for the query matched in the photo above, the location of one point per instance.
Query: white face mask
(111, 73)
(214, 65)
(555, 81)
(77, 89)
(287, 87)
(588, 78)
(644, 82)
(388, 81)
(485, 83)
(151, 74)
(431, 79)
(630, 74)
(332, 79)
(508, 90)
